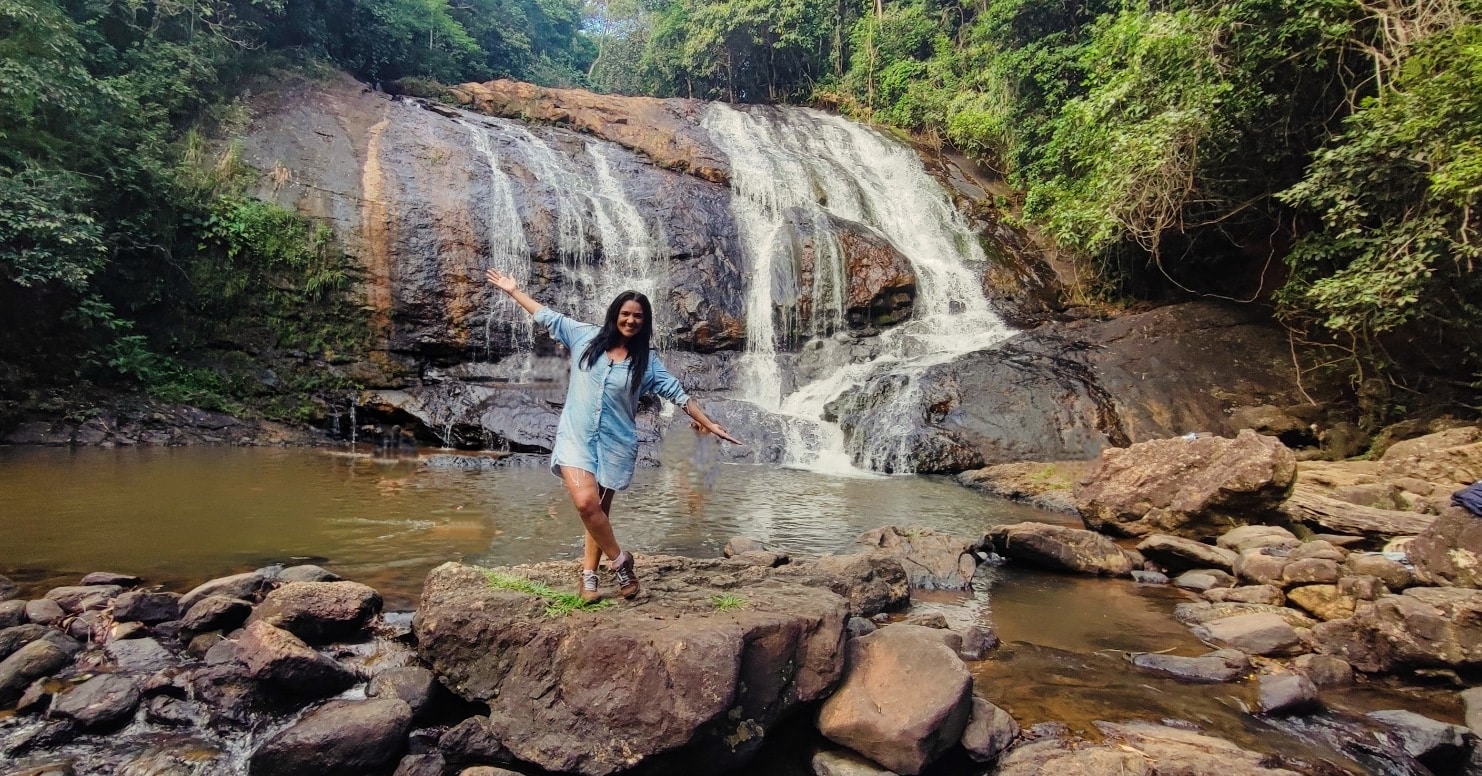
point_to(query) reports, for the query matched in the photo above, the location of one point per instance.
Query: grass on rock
(557, 604)
(726, 602)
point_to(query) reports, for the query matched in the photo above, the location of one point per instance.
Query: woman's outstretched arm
(509, 285)
(703, 422)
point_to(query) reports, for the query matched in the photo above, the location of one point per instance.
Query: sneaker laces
(589, 580)
(622, 568)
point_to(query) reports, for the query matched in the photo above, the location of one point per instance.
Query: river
(180, 516)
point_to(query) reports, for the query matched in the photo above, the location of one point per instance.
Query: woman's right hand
(503, 282)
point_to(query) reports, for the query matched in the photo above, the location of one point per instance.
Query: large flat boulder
(932, 560)
(671, 677)
(1059, 548)
(1140, 748)
(1449, 552)
(1199, 488)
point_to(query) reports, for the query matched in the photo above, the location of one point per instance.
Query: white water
(801, 167)
(509, 253)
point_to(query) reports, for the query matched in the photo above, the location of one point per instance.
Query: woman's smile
(630, 319)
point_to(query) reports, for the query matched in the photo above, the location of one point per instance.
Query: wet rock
(110, 578)
(487, 770)
(1393, 574)
(276, 656)
(1201, 613)
(1255, 537)
(1324, 671)
(932, 560)
(1149, 577)
(319, 612)
(1176, 554)
(1269, 595)
(80, 598)
(842, 762)
(903, 718)
(49, 736)
(12, 613)
(1472, 701)
(1060, 549)
(8, 589)
(230, 692)
(122, 631)
(414, 685)
(1253, 634)
(1324, 602)
(146, 606)
(35, 700)
(472, 742)
(990, 730)
(1424, 627)
(13, 638)
(1203, 580)
(44, 611)
(871, 584)
(340, 738)
(1186, 488)
(1449, 552)
(247, 586)
(1441, 747)
(1043, 485)
(176, 712)
(216, 613)
(735, 675)
(1222, 665)
(31, 662)
(307, 573)
(859, 626)
(139, 655)
(1138, 748)
(430, 764)
(104, 701)
(737, 545)
(1287, 694)
(220, 651)
(977, 642)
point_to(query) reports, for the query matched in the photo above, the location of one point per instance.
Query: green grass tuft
(726, 602)
(557, 604)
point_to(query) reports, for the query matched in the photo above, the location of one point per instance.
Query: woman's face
(630, 318)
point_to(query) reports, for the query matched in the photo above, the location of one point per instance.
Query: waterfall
(508, 252)
(802, 167)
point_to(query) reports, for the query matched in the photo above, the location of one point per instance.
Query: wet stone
(44, 611)
(216, 613)
(12, 613)
(429, 764)
(12, 639)
(8, 589)
(412, 684)
(1269, 595)
(110, 578)
(1437, 745)
(842, 762)
(175, 712)
(990, 730)
(1225, 665)
(1149, 577)
(81, 598)
(146, 606)
(1287, 694)
(1201, 580)
(1325, 670)
(139, 655)
(100, 702)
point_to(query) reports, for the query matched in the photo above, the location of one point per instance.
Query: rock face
(1449, 552)
(725, 676)
(1069, 390)
(905, 701)
(1425, 627)
(932, 561)
(341, 738)
(1197, 488)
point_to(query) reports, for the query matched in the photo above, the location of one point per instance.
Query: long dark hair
(609, 337)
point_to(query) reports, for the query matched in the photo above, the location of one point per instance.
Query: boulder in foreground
(671, 676)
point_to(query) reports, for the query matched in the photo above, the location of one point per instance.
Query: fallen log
(1310, 506)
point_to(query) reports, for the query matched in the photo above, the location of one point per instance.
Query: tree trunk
(1309, 505)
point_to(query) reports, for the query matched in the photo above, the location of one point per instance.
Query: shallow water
(180, 516)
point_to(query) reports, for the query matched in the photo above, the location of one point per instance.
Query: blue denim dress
(598, 431)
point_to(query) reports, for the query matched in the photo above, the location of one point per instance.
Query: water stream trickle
(509, 252)
(798, 167)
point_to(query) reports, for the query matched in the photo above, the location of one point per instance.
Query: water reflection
(179, 516)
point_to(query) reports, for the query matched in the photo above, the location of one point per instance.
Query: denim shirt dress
(598, 430)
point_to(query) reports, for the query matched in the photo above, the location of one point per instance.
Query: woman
(597, 438)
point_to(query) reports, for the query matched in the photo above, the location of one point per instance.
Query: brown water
(180, 516)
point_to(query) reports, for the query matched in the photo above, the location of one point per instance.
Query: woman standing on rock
(597, 438)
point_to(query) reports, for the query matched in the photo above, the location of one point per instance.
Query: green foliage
(557, 604)
(727, 602)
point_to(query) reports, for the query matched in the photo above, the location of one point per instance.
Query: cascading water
(791, 167)
(508, 251)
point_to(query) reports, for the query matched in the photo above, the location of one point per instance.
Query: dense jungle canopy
(1320, 156)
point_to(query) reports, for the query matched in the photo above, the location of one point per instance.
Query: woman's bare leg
(591, 552)
(592, 508)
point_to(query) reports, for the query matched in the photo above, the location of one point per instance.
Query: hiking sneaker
(589, 592)
(622, 568)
